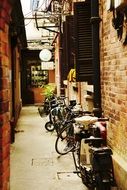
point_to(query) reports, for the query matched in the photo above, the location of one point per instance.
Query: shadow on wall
(29, 97)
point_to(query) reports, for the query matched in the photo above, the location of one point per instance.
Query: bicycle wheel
(87, 178)
(49, 126)
(76, 158)
(65, 141)
(58, 127)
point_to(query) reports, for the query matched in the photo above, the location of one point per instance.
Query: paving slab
(35, 165)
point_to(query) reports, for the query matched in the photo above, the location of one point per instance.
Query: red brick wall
(4, 97)
(114, 85)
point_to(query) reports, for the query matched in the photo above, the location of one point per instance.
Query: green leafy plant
(49, 90)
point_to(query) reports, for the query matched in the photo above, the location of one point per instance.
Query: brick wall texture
(4, 97)
(114, 86)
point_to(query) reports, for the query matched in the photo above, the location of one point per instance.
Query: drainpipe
(95, 20)
(60, 55)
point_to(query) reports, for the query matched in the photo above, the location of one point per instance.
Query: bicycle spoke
(65, 141)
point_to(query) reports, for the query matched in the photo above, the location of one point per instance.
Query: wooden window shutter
(64, 67)
(70, 41)
(68, 46)
(83, 41)
(62, 60)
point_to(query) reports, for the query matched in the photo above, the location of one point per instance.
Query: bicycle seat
(93, 140)
(101, 150)
(86, 120)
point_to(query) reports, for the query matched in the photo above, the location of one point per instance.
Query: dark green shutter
(83, 41)
(68, 46)
(63, 64)
(70, 41)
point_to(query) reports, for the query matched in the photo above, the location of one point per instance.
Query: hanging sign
(45, 55)
(47, 65)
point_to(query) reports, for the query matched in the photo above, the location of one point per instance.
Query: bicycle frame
(99, 172)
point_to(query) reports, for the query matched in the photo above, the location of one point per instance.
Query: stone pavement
(35, 165)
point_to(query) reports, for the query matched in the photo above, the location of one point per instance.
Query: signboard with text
(48, 65)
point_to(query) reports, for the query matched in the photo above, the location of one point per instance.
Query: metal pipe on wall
(95, 20)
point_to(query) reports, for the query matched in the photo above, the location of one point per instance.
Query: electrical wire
(43, 3)
(28, 22)
(27, 14)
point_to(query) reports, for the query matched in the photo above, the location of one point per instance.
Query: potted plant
(49, 93)
(49, 90)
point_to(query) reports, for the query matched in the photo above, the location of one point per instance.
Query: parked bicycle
(66, 140)
(56, 115)
(59, 114)
(96, 167)
(46, 105)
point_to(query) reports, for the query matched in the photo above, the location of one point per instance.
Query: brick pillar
(4, 96)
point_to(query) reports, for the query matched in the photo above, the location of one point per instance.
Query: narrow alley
(64, 48)
(34, 163)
